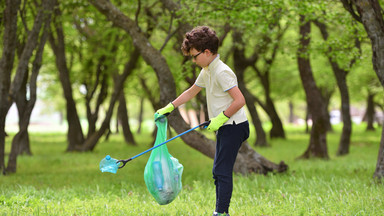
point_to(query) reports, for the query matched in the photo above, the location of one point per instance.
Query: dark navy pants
(229, 139)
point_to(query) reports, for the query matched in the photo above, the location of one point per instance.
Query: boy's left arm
(237, 103)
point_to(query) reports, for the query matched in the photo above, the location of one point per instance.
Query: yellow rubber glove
(217, 122)
(166, 110)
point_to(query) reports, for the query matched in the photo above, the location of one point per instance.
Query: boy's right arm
(183, 98)
(187, 95)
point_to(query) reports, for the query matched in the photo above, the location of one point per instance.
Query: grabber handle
(124, 162)
(205, 124)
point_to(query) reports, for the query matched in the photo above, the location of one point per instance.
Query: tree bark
(326, 95)
(261, 136)
(370, 14)
(20, 142)
(240, 65)
(6, 65)
(277, 130)
(379, 171)
(308, 117)
(292, 117)
(167, 86)
(341, 79)
(318, 142)
(266, 51)
(345, 138)
(123, 118)
(370, 112)
(140, 117)
(91, 142)
(92, 115)
(75, 134)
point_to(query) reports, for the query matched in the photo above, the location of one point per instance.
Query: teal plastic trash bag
(109, 164)
(163, 172)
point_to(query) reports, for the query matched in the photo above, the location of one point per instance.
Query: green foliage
(253, 18)
(56, 183)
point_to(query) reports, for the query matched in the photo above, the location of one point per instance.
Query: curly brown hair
(200, 38)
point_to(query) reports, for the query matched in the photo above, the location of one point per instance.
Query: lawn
(52, 182)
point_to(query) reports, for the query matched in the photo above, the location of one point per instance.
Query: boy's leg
(229, 140)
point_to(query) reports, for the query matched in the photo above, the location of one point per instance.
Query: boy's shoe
(220, 214)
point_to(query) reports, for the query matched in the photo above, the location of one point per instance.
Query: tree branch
(169, 36)
(348, 5)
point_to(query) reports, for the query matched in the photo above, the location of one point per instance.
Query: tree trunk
(140, 117)
(341, 79)
(123, 118)
(17, 90)
(379, 171)
(6, 65)
(96, 79)
(318, 142)
(277, 130)
(168, 88)
(261, 136)
(326, 95)
(20, 143)
(292, 117)
(266, 51)
(308, 117)
(240, 65)
(345, 138)
(92, 115)
(370, 112)
(370, 14)
(90, 142)
(75, 134)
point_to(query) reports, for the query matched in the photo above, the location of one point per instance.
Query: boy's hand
(166, 110)
(217, 122)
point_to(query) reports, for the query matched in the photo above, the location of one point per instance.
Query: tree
(369, 115)
(57, 40)
(20, 142)
(318, 140)
(240, 65)
(340, 74)
(123, 118)
(15, 91)
(370, 14)
(6, 65)
(91, 141)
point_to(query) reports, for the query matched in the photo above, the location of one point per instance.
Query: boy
(225, 108)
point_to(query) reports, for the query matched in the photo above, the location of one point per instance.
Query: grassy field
(52, 182)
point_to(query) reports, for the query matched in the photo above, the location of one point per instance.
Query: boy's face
(201, 58)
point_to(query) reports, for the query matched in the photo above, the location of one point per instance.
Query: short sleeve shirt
(217, 79)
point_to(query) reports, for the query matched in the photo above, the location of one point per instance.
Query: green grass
(52, 182)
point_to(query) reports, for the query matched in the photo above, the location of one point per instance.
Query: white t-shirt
(217, 79)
